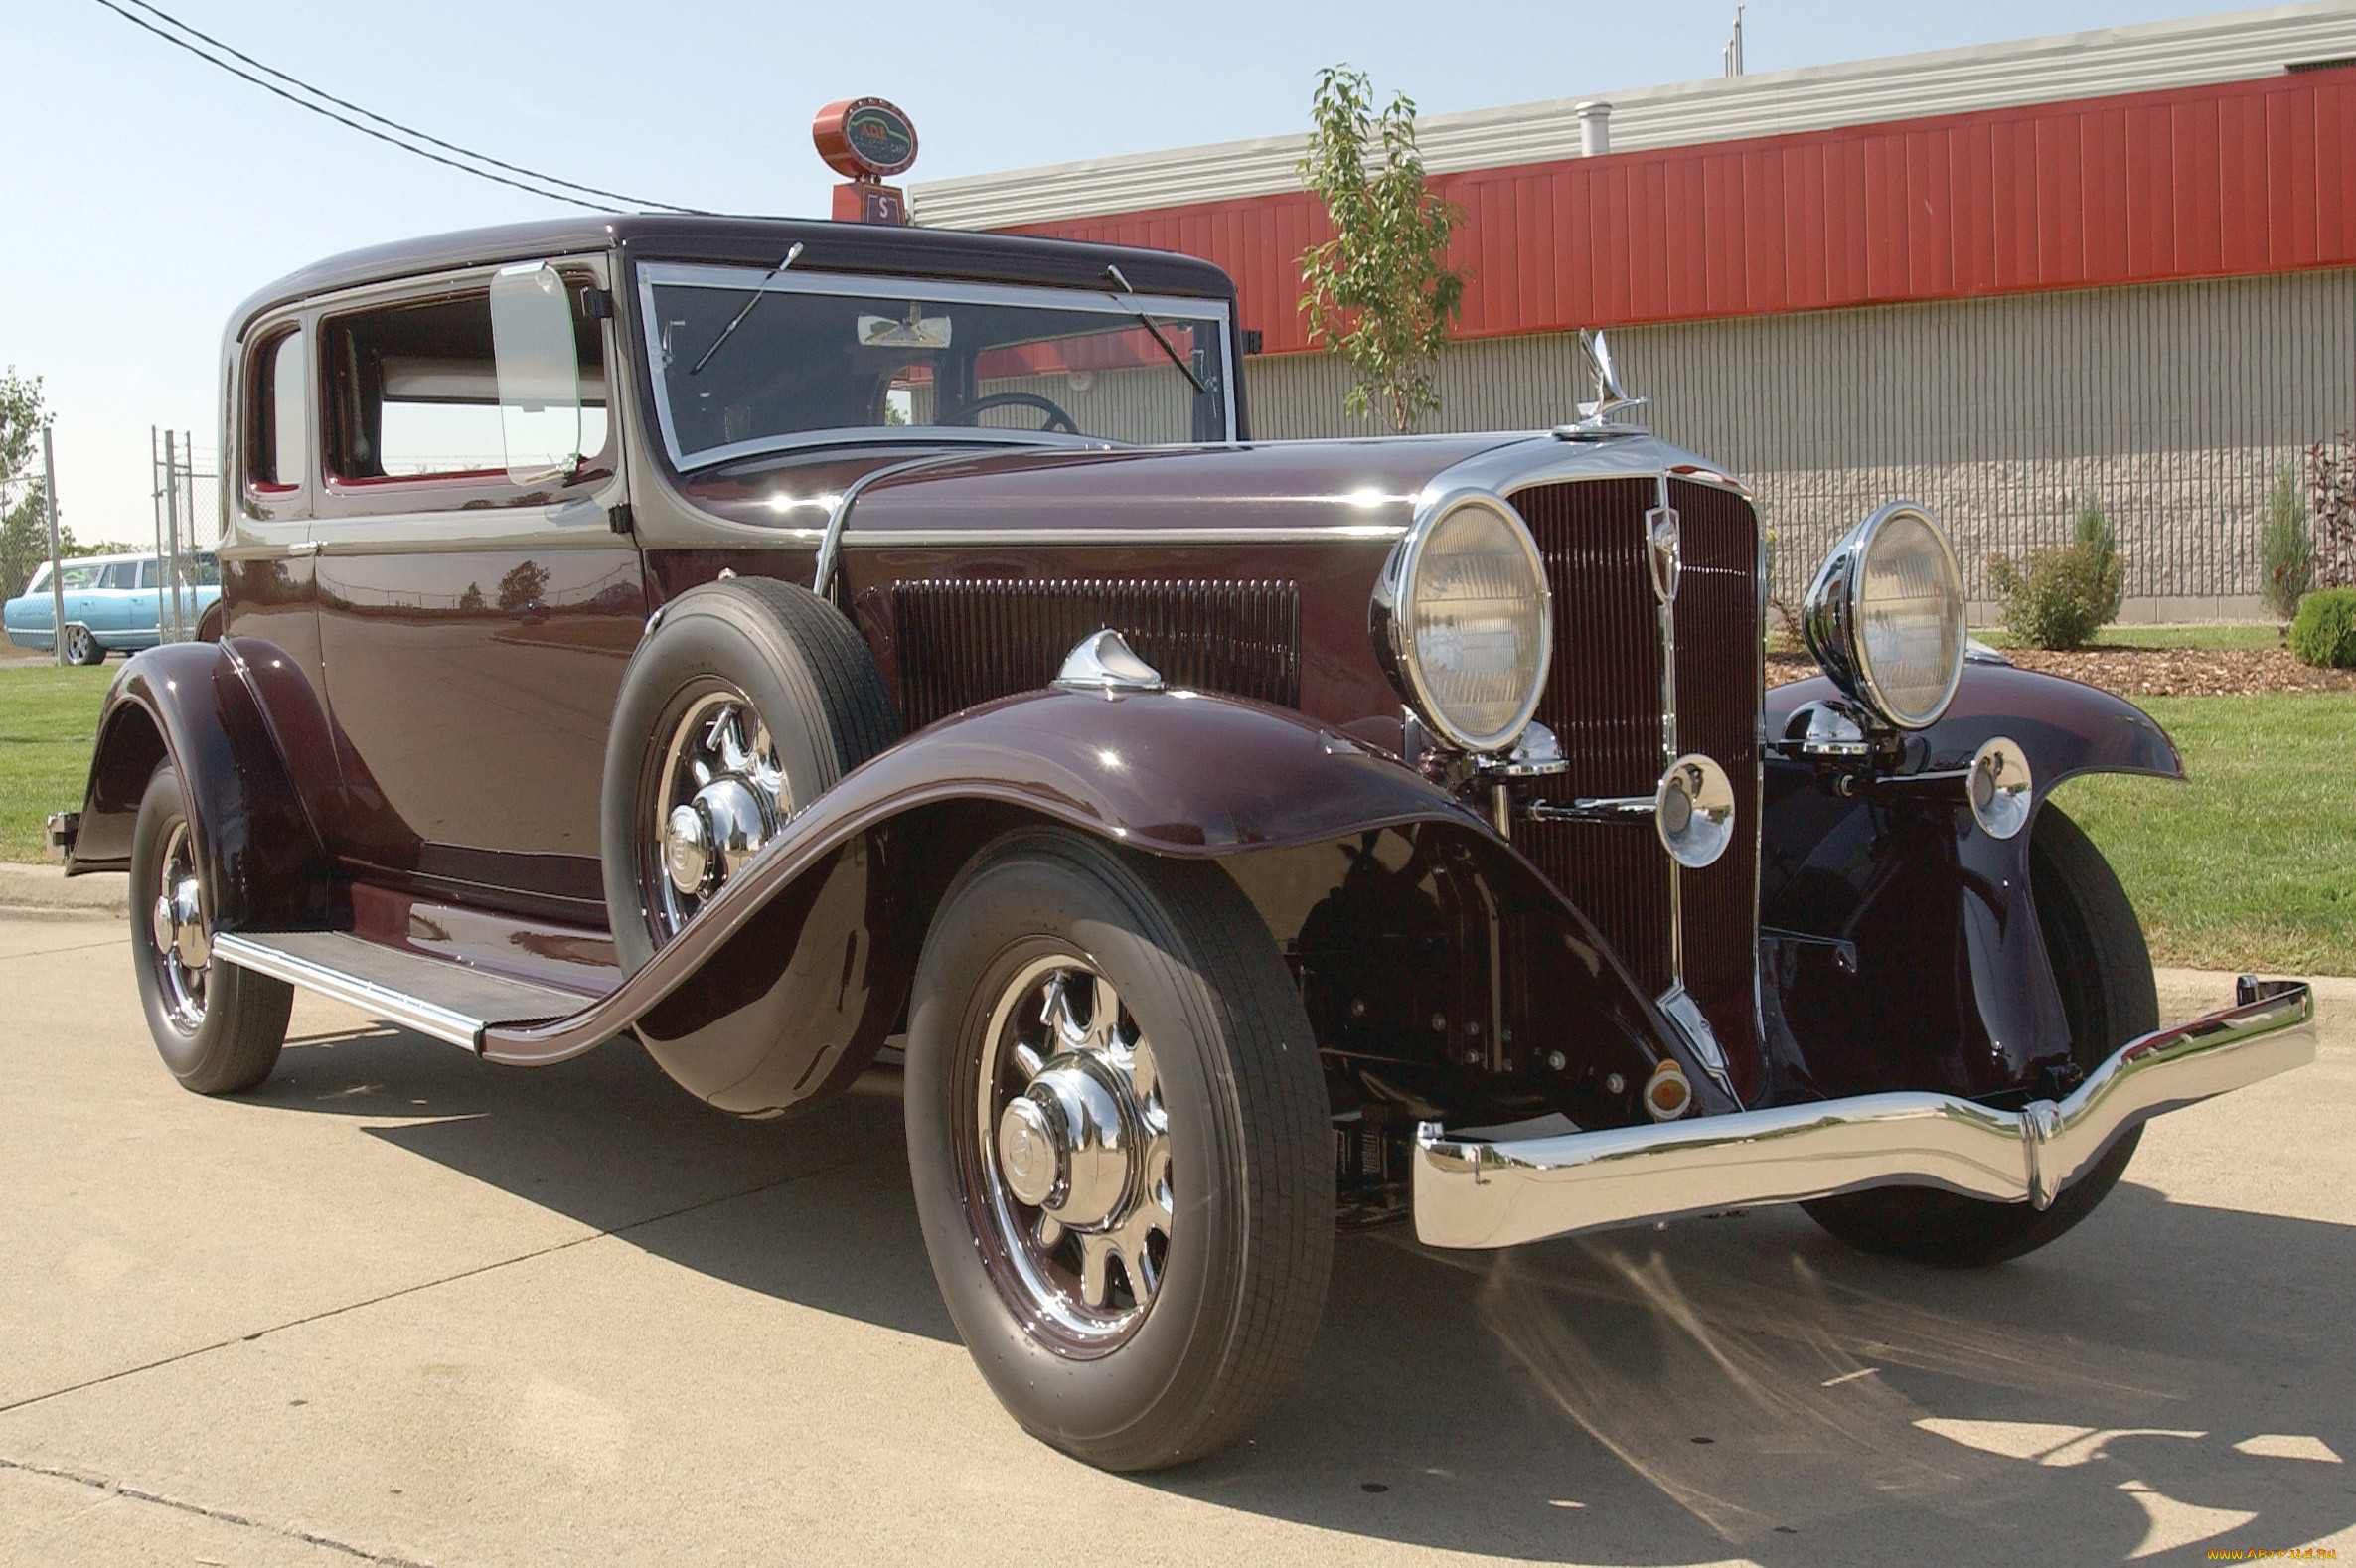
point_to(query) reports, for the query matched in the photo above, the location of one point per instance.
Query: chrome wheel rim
(720, 795)
(1071, 1149)
(176, 921)
(78, 645)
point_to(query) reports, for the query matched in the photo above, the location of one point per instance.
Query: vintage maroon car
(799, 644)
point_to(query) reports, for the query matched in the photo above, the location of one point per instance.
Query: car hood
(1367, 487)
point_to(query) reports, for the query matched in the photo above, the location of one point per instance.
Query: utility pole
(57, 568)
(171, 561)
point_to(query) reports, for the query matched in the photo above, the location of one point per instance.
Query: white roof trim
(2142, 57)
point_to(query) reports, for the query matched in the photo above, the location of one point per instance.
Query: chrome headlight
(1463, 622)
(1885, 616)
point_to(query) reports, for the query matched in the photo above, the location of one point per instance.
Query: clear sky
(147, 193)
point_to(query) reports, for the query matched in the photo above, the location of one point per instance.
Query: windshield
(824, 359)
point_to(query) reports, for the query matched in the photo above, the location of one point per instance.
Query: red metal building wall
(2242, 178)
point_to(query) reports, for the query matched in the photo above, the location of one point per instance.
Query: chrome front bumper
(1470, 1194)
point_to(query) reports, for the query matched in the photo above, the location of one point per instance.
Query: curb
(45, 888)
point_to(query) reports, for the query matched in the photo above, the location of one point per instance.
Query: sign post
(869, 141)
(57, 568)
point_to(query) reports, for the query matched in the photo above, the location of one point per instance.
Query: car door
(475, 612)
(116, 604)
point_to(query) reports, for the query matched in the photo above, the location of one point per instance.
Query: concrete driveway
(402, 1307)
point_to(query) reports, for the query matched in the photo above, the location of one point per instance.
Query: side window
(123, 575)
(413, 392)
(275, 428)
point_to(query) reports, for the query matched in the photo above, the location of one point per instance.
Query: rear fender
(202, 705)
(1900, 942)
(785, 985)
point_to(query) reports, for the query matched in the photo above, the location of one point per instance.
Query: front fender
(200, 705)
(1901, 942)
(1172, 773)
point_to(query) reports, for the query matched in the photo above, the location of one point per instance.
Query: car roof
(863, 248)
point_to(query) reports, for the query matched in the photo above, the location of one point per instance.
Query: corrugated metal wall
(2234, 179)
(2174, 403)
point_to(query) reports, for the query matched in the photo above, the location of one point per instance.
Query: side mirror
(540, 387)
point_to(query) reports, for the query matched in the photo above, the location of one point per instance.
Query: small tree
(1380, 292)
(23, 507)
(2286, 545)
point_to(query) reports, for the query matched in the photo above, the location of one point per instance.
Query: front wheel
(1117, 1135)
(2103, 972)
(83, 645)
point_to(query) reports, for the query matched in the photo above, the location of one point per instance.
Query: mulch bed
(2149, 672)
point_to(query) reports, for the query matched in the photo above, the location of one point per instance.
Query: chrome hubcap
(183, 952)
(1075, 1149)
(721, 796)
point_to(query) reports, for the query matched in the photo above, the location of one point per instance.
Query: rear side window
(122, 575)
(413, 392)
(275, 432)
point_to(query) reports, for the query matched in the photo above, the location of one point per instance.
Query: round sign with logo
(864, 138)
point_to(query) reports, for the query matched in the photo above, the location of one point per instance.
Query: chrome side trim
(829, 543)
(411, 1013)
(1472, 1194)
(889, 537)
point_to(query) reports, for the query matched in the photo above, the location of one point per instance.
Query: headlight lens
(1885, 616)
(1464, 621)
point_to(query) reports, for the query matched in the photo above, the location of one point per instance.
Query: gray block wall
(2175, 404)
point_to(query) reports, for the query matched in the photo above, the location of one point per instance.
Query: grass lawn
(47, 718)
(2253, 864)
(2254, 635)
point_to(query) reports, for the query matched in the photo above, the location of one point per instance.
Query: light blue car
(113, 604)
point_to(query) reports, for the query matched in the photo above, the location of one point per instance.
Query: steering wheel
(1056, 417)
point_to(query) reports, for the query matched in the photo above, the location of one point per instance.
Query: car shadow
(2167, 1381)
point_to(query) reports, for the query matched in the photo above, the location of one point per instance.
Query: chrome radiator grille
(963, 642)
(1604, 703)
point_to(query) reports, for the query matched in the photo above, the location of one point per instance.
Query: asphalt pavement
(401, 1306)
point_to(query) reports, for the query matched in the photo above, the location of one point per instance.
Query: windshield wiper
(759, 292)
(1176, 358)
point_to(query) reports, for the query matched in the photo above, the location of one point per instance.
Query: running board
(433, 996)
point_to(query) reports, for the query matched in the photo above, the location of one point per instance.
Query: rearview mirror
(918, 332)
(540, 389)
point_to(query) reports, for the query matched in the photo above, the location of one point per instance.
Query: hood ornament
(1595, 418)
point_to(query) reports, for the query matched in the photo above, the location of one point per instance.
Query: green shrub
(2060, 596)
(2324, 635)
(2286, 545)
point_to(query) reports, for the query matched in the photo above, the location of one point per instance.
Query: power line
(558, 195)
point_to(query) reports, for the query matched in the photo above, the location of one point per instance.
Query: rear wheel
(1117, 1135)
(218, 1027)
(2103, 972)
(83, 645)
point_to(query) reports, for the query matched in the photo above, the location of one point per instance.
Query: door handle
(303, 547)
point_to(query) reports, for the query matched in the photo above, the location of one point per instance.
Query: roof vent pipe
(1595, 127)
